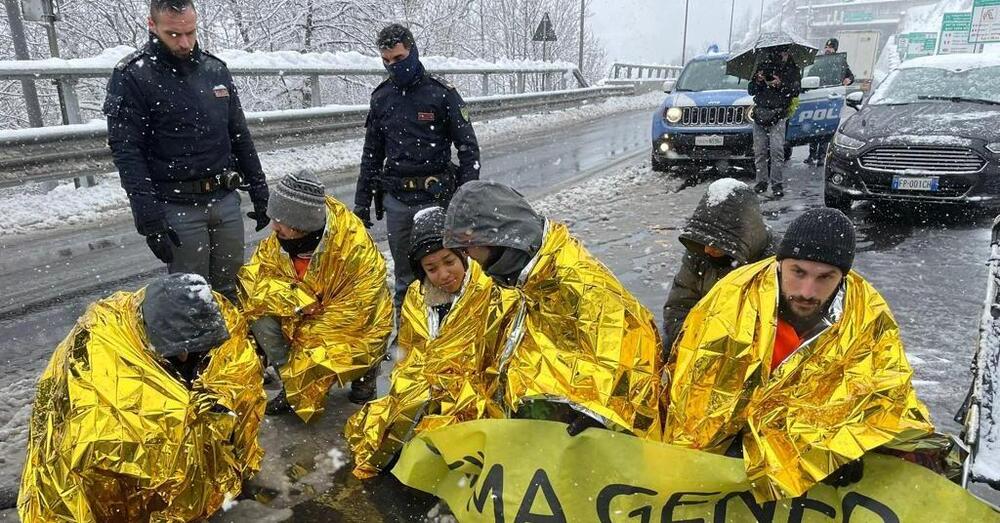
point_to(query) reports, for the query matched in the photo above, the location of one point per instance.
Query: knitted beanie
(299, 201)
(820, 235)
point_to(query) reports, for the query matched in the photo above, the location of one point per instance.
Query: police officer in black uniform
(406, 163)
(177, 131)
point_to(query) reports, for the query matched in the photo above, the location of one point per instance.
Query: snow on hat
(820, 235)
(181, 315)
(299, 201)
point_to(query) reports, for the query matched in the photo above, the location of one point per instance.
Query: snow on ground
(288, 61)
(43, 207)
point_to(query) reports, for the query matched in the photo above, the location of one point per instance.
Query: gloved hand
(259, 215)
(848, 474)
(159, 242)
(365, 214)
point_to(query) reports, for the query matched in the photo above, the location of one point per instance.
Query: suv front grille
(708, 116)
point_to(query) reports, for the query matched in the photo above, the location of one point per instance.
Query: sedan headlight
(994, 148)
(842, 140)
(673, 114)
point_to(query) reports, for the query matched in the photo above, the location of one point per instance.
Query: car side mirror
(854, 100)
(810, 82)
(668, 86)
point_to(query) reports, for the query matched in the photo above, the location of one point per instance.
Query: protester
(316, 292)
(726, 231)
(795, 363)
(456, 322)
(148, 410)
(775, 83)
(590, 354)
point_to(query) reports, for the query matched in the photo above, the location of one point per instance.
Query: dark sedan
(929, 133)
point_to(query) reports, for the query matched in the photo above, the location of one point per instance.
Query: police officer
(406, 163)
(817, 150)
(175, 127)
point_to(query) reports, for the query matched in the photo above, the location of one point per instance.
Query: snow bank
(287, 61)
(33, 208)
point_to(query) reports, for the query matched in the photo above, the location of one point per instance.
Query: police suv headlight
(673, 114)
(994, 148)
(842, 140)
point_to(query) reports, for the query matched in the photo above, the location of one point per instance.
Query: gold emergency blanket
(448, 372)
(831, 401)
(115, 437)
(587, 341)
(338, 317)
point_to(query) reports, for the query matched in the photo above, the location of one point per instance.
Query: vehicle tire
(658, 164)
(837, 201)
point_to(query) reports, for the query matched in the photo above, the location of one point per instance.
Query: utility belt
(226, 180)
(439, 185)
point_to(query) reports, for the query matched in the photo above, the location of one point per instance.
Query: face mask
(303, 245)
(405, 72)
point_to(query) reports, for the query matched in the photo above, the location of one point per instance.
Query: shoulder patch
(442, 81)
(129, 59)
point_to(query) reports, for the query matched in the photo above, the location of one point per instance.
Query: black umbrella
(744, 62)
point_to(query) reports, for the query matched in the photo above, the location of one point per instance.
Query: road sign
(901, 45)
(858, 16)
(920, 44)
(545, 32)
(985, 22)
(39, 10)
(955, 29)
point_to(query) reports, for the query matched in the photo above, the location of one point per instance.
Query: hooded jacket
(116, 436)
(728, 218)
(587, 341)
(841, 394)
(337, 318)
(448, 373)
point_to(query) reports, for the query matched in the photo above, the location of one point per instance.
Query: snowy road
(932, 275)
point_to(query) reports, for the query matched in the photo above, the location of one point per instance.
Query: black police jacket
(172, 120)
(409, 133)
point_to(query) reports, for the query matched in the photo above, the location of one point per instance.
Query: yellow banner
(524, 471)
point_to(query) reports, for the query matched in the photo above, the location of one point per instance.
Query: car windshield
(830, 68)
(921, 84)
(708, 75)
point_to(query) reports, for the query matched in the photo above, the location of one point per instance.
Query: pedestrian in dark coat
(775, 83)
(726, 231)
(175, 127)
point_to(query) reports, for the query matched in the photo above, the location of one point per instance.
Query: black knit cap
(426, 237)
(834, 43)
(820, 235)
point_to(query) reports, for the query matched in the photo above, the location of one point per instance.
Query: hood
(485, 213)
(181, 315)
(951, 122)
(722, 97)
(728, 218)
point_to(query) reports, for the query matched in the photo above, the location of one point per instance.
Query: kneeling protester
(456, 321)
(148, 411)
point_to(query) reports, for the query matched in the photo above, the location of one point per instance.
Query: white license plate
(903, 183)
(713, 140)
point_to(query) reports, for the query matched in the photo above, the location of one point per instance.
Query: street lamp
(684, 45)
(732, 12)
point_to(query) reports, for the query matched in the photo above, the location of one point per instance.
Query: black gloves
(364, 214)
(847, 474)
(259, 215)
(159, 242)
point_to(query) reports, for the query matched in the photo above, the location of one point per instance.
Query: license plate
(713, 140)
(903, 183)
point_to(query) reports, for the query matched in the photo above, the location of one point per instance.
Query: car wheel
(837, 201)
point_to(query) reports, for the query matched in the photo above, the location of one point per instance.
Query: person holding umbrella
(773, 65)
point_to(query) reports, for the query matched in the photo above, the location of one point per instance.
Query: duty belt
(411, 183)
(227, 180)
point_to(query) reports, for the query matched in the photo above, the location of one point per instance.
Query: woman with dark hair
(455, 322)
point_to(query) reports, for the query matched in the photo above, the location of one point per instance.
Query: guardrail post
(486, 84)
(562, 81)
(315, 91)
(520, 82)
(71, 111)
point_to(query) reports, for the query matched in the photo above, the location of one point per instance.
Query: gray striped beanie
(299, 202)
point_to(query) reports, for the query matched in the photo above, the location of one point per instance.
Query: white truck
(862, 49)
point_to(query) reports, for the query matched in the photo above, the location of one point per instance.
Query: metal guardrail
(74, 151)
(623, 71)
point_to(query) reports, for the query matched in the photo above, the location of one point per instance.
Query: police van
(706, 118)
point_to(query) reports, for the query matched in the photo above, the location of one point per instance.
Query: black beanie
(834, 43)
(426, 237)
(820, 235)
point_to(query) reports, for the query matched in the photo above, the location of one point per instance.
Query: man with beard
(406, 164)
(182, 147)
(316, 293)
(786, 357)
